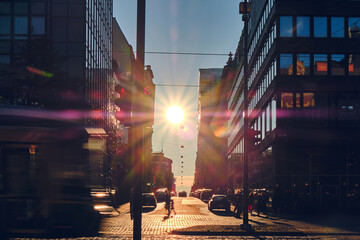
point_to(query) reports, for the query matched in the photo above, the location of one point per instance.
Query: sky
(181, 26)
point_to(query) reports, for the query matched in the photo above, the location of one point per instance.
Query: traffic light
(254, 137)
(124, 103)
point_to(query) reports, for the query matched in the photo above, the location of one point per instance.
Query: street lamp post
(244, 10)
(137, 121)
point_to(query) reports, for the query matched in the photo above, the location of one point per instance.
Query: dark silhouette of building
(210, 170)
(304, 98)
(162, 175)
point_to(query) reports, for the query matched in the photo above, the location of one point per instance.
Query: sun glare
(175, 114)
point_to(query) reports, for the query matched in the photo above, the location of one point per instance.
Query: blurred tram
(44, 174)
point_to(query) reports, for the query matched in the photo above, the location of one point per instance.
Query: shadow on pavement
(348, 222)
(147, 209)
(222, 213)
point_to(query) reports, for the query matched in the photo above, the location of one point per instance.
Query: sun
(175, 114)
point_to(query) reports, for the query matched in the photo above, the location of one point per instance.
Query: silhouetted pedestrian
(251, 202)
(167, 201)
(238, 204)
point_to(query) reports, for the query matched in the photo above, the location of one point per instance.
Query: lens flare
(175, 114)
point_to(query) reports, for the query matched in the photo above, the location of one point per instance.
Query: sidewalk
(335, 225)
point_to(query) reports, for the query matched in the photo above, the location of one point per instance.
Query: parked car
(149, 200)
(182, 194)
(219, 202)
(160, 195)
(206, 194)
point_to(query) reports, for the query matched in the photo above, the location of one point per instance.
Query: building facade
(162, 175)
(302, 72)
(209, 164)
(57, 54)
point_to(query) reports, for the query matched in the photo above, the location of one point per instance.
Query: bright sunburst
(175, 114)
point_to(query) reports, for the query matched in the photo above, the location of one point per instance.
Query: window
(303, 27)
(320, 27)
(337, 27)
(38, 8)
(5, 7)
(273, 114)
(21, 7)
(298, 100)
(268, 119)
(286, 64)
(4, 26)
(354, 29)
(4, 59)
(354, 64)
(303, 64)
(287, 100)
(320, 64)
(20, 25)
(4, 46)
(286, 26)
(37, 25)
(337, 64)
(308, 100)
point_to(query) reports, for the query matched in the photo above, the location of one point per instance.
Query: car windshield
(218, 198)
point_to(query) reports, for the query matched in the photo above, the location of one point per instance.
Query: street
(193, 214)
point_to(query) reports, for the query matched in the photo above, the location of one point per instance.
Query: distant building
(304, 98)
(162, 175)
(210, 165)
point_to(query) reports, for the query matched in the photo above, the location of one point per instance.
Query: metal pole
(246, 224)
(138, 123)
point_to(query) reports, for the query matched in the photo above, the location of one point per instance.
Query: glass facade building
(303, 85)
(77, 51)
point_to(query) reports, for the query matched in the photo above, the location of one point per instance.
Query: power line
(176, 85)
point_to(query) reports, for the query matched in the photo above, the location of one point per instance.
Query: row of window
(21, 26)
(262, 55)
(319, 26)
(320, 64)
(259, 29)
(21, 8)
(263, 86)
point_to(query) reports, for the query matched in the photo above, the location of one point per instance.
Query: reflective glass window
(38, 25)
(21, 7)
(337, 27)
(286, 26)
(59, 26)
(337, 64)
(308, 100)
(20, 25)
(320, 27)
(273, 114)
(38, 8)
(4, 46)
(320, 64)
(19, 46)
(303, 26)
(298, 100)
(286, 64)
(303, 64)
(354, 27)
(287, 100)
(5, 7)
(4, 59)
(4, 25)
(354, 64)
